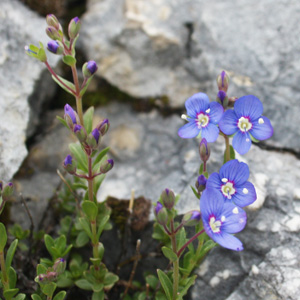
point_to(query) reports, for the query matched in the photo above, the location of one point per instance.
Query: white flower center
(215, 225)
(227, 189)
(244, 124)
(202, 120)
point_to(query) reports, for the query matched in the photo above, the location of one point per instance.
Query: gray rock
(177, 48)
(22, 79)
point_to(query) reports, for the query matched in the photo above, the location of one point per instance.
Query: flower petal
(210, 132)
(262, 129)
(245, 195)
(241, 142)
(228, 123)
(216, 112)
(235, 218)
(228, 241)
(248, 106)
(235, 171)
(196, 103)
(211, 203)
(189, 130)
(214, 182)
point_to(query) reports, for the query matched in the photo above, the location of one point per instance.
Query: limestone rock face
(21, 97)
(177, 48)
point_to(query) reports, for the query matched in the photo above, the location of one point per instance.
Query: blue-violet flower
(202, 118)
(246, 123)
(231, 182)
(222, 219)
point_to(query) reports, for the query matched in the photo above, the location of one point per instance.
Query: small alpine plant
(221, 195)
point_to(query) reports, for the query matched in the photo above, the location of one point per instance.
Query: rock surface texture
(20, 99)
(177, 47)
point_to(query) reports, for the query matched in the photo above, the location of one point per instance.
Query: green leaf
(9, 294)
(152, 281)
(12, 277)
(206, 247)
(181, 238)
(231, 154)
(86, 227)
(82, 239)
(195, 192)
(100, 155)
(110, 279)
(98, 295)
(63, 121)
(64, 281)
(63, 83)
(36, 297)
(79, 156)
(187, 285)
(97, 182)
(166, 284)
(69, 60)
(60, 296)
(168, 253)
(48, 289)
(40, 269)
(3, 237)
(101, 225)
(86, 86)
(49, 243)
(20, 297)
(88, 119)
(97, 287)
(10, 253)
(90, 209)
(84, 284)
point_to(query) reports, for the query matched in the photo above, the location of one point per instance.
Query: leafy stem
(175, 263)
(189, 241)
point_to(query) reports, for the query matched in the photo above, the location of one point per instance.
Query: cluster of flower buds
(53, 272)
(5, 192)
(223, 83)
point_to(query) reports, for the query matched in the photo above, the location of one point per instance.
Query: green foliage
(88, 119)
(3, 237)
(58, 247)
(166, 284)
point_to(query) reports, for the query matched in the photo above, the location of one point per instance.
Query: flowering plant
(222, 195)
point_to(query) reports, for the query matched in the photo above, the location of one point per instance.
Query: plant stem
(77, 95)
(175, 263)
(189, 241)
(94, 239)
(227, 151)
(90, 179)
(4, 273)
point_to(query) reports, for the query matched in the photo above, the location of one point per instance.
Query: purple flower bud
(59, 266)
(74, 27)
(106, 166)
(89, 69)
(53, 33)
(103, 126)
(158, 207)
(69, 165)
(223, 81)
(52, 21)
(201, 183)
(54, 47)
(204, 150)
(7, 191)
(80, 133)
(222, 98)
(196, 215)
(168, 198)
(96, 134)
(70, 116)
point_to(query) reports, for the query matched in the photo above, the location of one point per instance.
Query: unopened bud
(161, 214)
(53, 33)
(103, 127)
(55, 47)
(74, 27)
(7, 191)
(106, 166)
(204, 150)
(69, 165)
(89, 68)
(223, 81)
(201, 183)
(80, 133)
(93, 139)
(70, 116)
(59, 266)
(168, 198)
(52, 21)
(222, 98)
(191, 218)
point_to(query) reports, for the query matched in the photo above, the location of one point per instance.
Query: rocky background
(158, 53)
